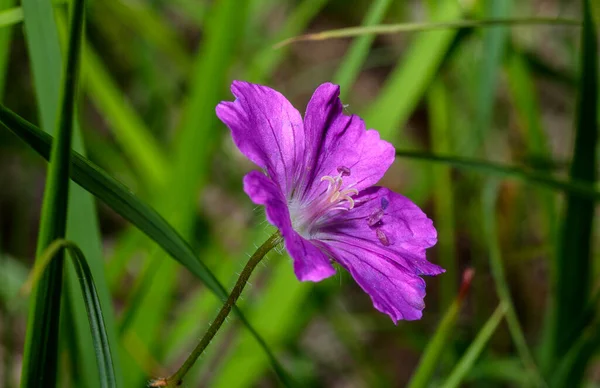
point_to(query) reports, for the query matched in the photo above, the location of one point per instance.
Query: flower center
(307, 218)
(336, 196)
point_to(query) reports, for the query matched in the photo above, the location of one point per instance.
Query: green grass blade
(127, 127)
(574, 265)
(573, 186)
(124, 202)
(472, 353)
(95, 316)
(490, 194)
(147, 23)
(494, 43)
(440, 133)
(267, 59)
(82, 225)
(41, 344)
(5, 36)
(411, 77)
(357, 53)
(439, 342)
(428, 26)
(9, 17)
(90, 296)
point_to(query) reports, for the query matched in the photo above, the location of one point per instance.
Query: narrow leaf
(429, 26)
(467, 361)
(41, 344)
(90, 297)
(574, 261)
(125, 203)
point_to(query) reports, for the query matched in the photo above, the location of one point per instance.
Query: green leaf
(125, 203)
(409, 80)
(387, 29)
(574, 261)
(576, 187)
(472, 353)
(41, 344)
(11, 16)
(439, 341)
(90, 296)
(357, 53)
(490, 194)
(82, 225)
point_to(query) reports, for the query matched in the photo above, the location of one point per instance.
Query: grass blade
(440, 134)
(573, 186)
(127, 127)
(574, 265)
(125, 203)
(90, 296)
(41, 344)
(438, 343)
(82, 225)
(356, 55)
(409, 80)
(502, 289)
(474, 350)
(428, 26)
(11, 16)
(265, 62)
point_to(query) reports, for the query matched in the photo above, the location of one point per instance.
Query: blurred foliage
(506, 100)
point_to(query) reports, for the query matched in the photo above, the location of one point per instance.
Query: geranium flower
(317, 189)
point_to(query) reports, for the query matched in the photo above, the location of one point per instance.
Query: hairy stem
(176, 379)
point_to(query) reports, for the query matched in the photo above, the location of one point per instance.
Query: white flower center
(307, 218)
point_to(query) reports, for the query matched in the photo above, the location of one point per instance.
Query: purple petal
(263, 191)
(394, 291)
(310, 263)
(388, 222)
(335, 140)
(267, 129)
(382, 243)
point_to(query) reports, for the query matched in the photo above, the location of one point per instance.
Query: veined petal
(334, 140)
(263, 191)
(267, 129)
(384, 221)
(382, 242)
(310, 263)
(393, 290)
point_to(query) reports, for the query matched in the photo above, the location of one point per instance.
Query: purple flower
(318, 190)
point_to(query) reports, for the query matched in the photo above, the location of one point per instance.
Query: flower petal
(394, 291)
(267, 129)
(382, 243)
(263, 191)
(310, 263)
(334, 139)
(386, 221)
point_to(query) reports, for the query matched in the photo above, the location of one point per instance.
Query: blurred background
(152, 74)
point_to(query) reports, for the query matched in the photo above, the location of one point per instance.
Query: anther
(383, 239)
(384, 203)
(344, 171)
(375, 217)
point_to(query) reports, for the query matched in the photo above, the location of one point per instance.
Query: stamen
(343, 170)
(333, 194)
(383, 239)
(375, 217)
(350, 200)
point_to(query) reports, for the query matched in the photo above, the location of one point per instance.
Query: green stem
(176, 379)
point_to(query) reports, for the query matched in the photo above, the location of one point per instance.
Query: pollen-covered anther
(333, 192)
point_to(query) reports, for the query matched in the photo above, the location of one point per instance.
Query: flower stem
(176, 379)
